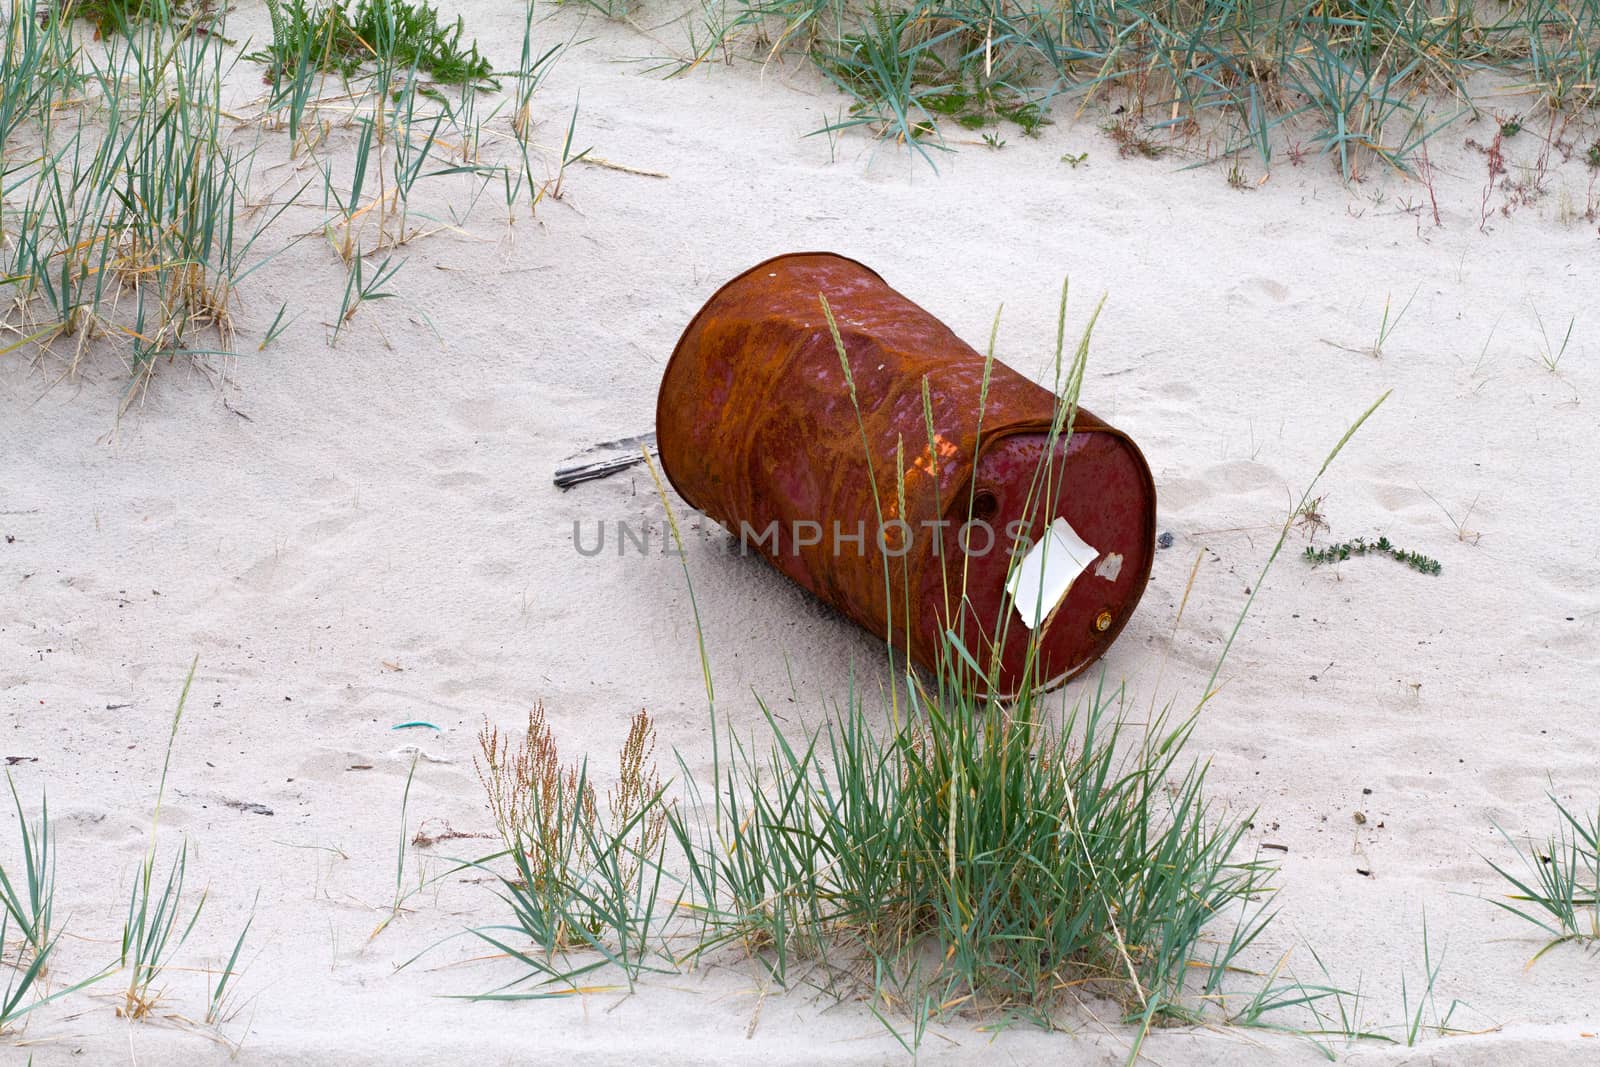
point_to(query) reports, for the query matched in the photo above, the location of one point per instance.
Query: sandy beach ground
(355, 536)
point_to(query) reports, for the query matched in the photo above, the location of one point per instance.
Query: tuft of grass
(532, 68)
(1382, 546)
(125, 226)
(1367, 83)
(344, 35)
(1558, 888)
(1022, 855)
(889, 67)
(128, 220)
(587, 876)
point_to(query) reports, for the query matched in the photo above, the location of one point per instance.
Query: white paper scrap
(1041, 581)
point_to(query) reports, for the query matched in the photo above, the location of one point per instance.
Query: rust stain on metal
(757, 429)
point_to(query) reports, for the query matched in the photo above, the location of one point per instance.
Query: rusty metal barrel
(1033, 547)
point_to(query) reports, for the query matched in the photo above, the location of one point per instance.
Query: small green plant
(275, 330)
(1592, 156)
(974, 101)
(220, 1006)
(1558, 888)
(26, 908)
(1424, 1015)
(117, 16)
(1509, 128)
(29, 902)
(361, 289)
(1550, 355)
(568, 156)
(1382, 546)
(151, 934)
(1388, 325)
(400, 893)
(1075, 161)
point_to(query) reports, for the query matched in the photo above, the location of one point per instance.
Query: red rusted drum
(757, 429)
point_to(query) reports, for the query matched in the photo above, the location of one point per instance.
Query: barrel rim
(1150, 528)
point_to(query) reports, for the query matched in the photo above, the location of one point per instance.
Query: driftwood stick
(604, 459)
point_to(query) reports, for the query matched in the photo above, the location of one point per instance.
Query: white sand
(379, 541)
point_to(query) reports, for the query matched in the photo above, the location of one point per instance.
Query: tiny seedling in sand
(276, 329)
(1309, 517)
(400, 894)
(1550, 355)
(1388, 326)
(1464, 535)
(1483, 353)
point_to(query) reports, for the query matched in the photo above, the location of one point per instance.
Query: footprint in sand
(1258, 292)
